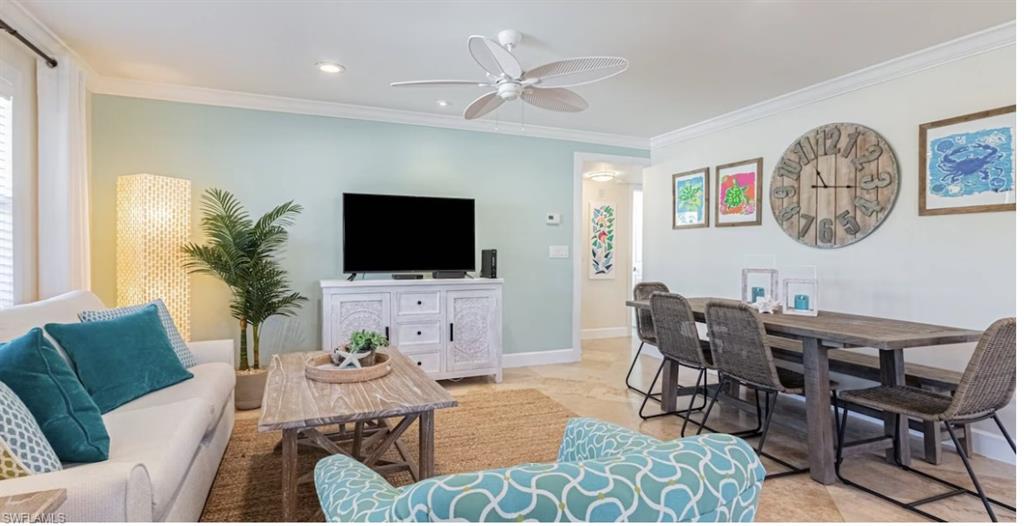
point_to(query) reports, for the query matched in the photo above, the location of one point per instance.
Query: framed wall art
(738, 193)
(690, 199)
(966, 163)
(602, 241)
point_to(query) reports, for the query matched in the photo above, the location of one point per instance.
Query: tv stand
(449, 328)
(351, 277)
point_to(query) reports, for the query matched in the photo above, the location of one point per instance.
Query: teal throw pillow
(185, 356)
(65, 412)
(122, 359)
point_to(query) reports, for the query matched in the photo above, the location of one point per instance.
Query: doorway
(608, 238)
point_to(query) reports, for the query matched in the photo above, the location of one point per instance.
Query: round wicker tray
(320, 369)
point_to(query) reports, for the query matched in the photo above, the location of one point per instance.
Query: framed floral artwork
(602, 241)
(966, 164)
(738, 193)
(690, 199)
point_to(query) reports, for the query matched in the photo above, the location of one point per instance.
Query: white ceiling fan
(543, 86)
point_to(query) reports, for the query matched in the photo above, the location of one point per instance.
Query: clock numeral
(809, 220)
(870, 182)
(867, 206)
(783, 192)
(787, 213)
(848, 222)
(832, 136)
(789, 168)
(805, 150)
(825, 231)
(873, 153)
(851, 143)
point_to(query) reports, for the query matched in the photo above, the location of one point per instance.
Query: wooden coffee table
(299, 408)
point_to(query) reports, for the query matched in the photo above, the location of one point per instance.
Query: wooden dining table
(835, 330)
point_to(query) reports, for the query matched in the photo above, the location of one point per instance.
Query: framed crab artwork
(966, 164)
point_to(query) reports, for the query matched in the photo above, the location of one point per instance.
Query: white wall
(603, 313)
(956, 269)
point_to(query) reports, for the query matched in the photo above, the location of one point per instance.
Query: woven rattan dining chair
(644, 327)
(680, 344)
(740, 354)
(986, 386)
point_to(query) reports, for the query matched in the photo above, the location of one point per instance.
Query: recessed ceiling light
(442, 103)
(330, 67)
(601, 176)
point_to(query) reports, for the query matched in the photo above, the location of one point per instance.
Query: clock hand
(823, 183)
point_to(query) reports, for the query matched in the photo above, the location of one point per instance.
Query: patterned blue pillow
(185, 356)
(24, 449)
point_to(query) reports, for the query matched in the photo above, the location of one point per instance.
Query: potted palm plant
(243, 254)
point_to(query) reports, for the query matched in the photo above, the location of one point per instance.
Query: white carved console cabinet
(449, 327)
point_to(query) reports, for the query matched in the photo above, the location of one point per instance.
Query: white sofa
(165, 447)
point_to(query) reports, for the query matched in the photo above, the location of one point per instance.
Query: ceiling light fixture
(330, 67)
(442, 103)
(601, 176)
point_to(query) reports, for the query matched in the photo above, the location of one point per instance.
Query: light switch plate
(558, 251)
(554, 218)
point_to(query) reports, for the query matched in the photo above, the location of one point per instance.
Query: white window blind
(6, 202)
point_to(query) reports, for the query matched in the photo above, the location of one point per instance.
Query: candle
(802, 302)
(756, 293)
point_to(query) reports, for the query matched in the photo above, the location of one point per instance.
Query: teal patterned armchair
(604, 473)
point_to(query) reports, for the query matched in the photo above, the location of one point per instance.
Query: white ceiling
(689, 60)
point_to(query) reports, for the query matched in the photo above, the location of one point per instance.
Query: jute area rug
(487, 430)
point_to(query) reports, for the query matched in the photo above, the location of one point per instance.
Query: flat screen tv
(397, 233)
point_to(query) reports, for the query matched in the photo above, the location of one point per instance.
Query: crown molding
(253, 101)
(983, 41)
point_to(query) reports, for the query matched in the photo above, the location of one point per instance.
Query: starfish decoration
(345, 358)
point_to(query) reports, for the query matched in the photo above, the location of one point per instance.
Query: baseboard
(991, 445)
(530, 359)
(604, 332)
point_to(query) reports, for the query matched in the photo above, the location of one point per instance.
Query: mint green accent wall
(266, 158)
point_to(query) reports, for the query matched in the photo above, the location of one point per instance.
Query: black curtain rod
(50, 61)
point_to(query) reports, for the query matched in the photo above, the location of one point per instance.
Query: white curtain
(63, 178)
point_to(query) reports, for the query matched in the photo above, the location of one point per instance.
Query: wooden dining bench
(851, 363)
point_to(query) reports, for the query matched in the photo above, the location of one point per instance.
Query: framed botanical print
(602, 240)
(966, 164)
(738, 193)
(690, 199)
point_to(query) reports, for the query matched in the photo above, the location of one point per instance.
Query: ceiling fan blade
(576, 71)
(429, 83)
(495, 59)
(482, 106)
(555, 99)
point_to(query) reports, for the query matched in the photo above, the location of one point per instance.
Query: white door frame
(577, 237)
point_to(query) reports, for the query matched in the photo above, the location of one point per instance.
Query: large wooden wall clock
(834, 185)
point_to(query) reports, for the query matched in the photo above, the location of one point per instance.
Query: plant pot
(249, 386)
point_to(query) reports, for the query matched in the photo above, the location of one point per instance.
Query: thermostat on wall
(554, 218)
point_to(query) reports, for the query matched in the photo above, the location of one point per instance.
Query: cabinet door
(354, 312)
(472, 341)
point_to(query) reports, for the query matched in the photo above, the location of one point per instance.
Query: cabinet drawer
(419, 303)
(412, 333)
(429, 362)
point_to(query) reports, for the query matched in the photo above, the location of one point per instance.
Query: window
(6, 198)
